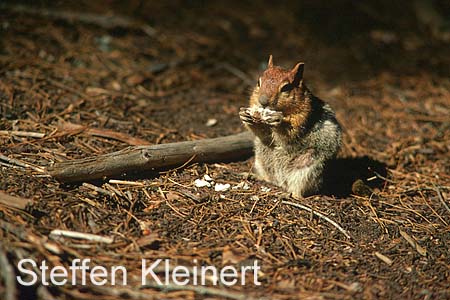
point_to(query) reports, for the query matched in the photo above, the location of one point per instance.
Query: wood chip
(383, 258)
(422, 251)
(13, 201)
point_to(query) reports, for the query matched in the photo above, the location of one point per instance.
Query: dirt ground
(177, 71)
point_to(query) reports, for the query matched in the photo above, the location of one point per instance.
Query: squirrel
(296, 133)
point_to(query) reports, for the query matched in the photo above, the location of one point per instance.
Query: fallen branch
(155, 157)
(104, 21)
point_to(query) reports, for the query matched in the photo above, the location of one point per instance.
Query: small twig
(81, 235)
(98, 189)
(8, 278)
(422, 251)
(114, 293)
(184, 216)
(256, 198)
(69, 89)
(180, 167)
(319, 215)
(105, 133)
(441, 198)
(415, 190)
(125, 182)
(432, 209)
(202, 290)
(114, 190)
(38, 135)
(19, 163)
(382, 177)
(10, 166)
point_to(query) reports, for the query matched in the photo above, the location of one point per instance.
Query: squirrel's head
(279, 88)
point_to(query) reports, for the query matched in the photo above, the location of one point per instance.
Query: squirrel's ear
(270, 62)
(297, 73)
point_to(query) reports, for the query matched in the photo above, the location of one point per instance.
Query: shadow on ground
(353, 175)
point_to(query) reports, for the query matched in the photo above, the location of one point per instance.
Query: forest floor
(181, 72)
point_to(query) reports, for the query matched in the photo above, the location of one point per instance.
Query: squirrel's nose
(263, 100)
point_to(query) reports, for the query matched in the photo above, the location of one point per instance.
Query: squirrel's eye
(259, 82)
(286, 87)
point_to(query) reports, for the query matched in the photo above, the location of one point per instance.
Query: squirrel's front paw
(259, 115)
(271, 117)
(246, 115)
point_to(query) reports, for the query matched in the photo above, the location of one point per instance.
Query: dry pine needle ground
(75, 88)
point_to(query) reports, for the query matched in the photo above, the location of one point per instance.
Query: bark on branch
(155, 157)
